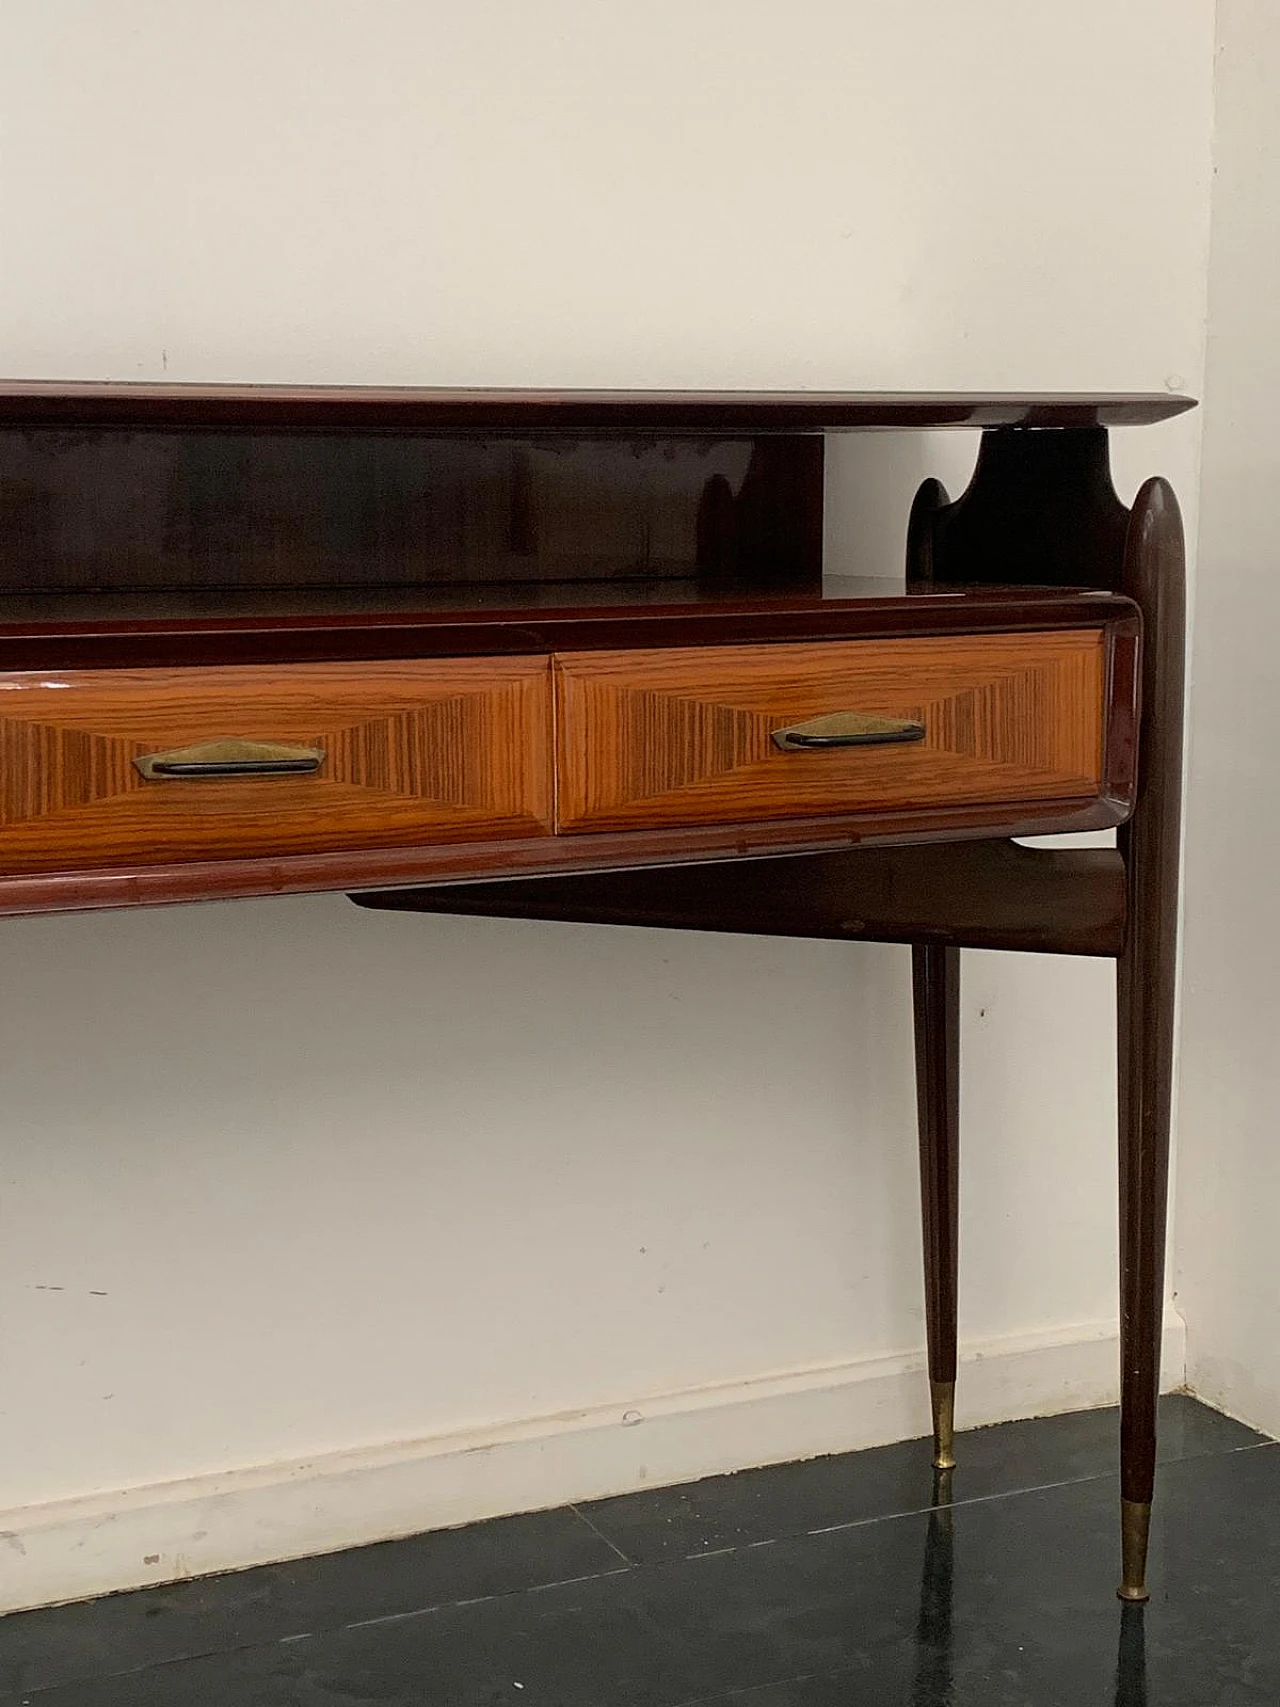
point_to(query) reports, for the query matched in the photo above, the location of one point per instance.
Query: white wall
(289, 1184)
(1230, 1182)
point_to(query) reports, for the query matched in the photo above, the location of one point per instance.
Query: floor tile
(1189, 1429)
(793, 1499)
(1034, 1634)
(123, 1632)
(1005, 1602)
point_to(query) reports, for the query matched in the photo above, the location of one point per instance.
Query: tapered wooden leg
(935, 982)
(1145, 1013)
(935, 976)
(1146, 983)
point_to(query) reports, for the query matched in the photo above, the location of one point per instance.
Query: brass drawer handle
(848, 729)
(230, 758)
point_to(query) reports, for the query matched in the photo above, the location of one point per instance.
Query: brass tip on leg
(942, 1395)
(1135, 1526)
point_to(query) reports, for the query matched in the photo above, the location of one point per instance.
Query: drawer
(683, 737)
(375, 755)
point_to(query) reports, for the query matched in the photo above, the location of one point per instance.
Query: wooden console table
(574, 656)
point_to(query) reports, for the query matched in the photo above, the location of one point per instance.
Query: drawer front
(375, 755)
(683, 737)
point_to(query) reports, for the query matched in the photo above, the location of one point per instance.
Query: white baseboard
(73, 1549)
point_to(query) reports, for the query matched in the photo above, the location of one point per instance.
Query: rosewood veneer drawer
(263, 760)
(684, 737)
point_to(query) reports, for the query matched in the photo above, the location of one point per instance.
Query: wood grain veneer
(444, 751)
(671, 738)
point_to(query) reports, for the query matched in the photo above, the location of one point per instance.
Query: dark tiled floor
(825, 1584)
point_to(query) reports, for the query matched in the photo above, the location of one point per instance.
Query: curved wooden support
(1040, 508)
(930, 500)
(1154, 576)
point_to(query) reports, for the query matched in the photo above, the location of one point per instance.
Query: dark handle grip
(849, 729)
(235, 767)
(898, 735)
(231, 758)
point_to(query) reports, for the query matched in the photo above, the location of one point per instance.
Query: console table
(574, 656)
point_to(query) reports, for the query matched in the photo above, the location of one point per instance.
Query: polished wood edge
(1123, 655)
(329, 639)
(157, 885)
(463, 412)
(980, 894)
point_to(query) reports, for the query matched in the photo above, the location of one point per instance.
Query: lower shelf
(994, 894)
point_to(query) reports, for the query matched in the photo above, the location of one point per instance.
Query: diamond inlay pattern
(414, 752)
(685, 737)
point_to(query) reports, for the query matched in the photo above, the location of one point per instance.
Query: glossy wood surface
(198, 510)
(979, 894)
(448, 412)
(657, 738)
(68, 631)
(414, 752)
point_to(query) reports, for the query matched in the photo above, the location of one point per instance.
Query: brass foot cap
(1135, 1524)
(942, 1395)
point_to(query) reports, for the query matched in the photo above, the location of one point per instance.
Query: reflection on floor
(835, 1583)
